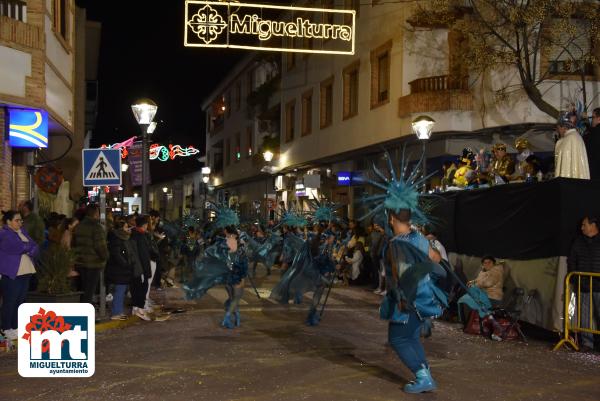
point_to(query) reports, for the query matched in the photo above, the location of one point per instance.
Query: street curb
(115, 324)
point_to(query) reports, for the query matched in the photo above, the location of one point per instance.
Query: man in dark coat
(32, 222)
(585, 257)
(592, 145)
(91, 251)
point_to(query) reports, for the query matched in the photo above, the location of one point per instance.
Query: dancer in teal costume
(296, 249)
(412, 295)
(224, 262)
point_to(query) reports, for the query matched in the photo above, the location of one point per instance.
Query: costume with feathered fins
(311, 265)
(264, 250)
(412, 295)
(221, 266)
(295, 253)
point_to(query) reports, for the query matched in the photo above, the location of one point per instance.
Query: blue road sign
(101, 167)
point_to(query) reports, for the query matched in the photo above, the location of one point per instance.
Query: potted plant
(54, 283)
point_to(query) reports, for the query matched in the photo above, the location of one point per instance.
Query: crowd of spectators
(126, 249)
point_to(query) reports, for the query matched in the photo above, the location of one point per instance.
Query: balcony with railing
(439, 83)
(438, 93)
(14, 27)
(14, 9)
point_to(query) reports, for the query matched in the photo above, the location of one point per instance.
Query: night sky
(142, 55)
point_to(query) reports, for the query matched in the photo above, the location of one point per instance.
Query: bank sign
(27, 128)
(269, 27)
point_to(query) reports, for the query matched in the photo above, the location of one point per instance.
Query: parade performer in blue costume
(290, 222)
(297, 252)
(322, 250)
(412, 295)
(322, 269)
(224, 262)
(238, 266)
(264, 250)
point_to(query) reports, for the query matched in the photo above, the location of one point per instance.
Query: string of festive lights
(157, 152)
(161, 153)
(121, 145)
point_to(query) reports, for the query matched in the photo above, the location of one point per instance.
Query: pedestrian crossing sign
(101, 167)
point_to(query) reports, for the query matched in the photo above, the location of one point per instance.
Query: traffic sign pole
(102, 300)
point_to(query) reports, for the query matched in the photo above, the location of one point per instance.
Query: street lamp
(268, 156)
(144, 111)
(422, 127)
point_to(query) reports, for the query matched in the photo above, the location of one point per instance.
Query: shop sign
(269, 27)
(347, 178)
(344, 178)
(27, 128)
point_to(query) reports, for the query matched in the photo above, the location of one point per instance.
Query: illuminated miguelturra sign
(269, 27)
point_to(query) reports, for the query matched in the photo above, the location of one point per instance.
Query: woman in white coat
(355, 261)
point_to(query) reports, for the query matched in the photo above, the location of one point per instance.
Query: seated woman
(490, 279)
(352, 267)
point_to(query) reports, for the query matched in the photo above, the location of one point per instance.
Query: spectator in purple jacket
(17, 251)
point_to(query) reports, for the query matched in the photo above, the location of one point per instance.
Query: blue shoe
(423, 382)
(237, 319)
(227, 323)
(313, 318)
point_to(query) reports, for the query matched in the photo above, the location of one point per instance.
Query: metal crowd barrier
(573, 325)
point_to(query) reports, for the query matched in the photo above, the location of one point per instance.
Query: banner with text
(269, 27)
(135, 165)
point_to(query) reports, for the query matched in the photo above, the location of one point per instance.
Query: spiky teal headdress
(293, 219)
(191, 219)
(399, 191)
(324, 210)
(225, 216)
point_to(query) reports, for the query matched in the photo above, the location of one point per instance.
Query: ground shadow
(334, 349)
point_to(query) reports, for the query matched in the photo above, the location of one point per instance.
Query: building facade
(241, 112)
(41, 48)
(338, 112)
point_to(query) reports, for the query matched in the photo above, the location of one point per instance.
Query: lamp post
(268, 156)
(144, 111)
(205, 180)
(165, 191)
(422, 127)
(124, 168)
